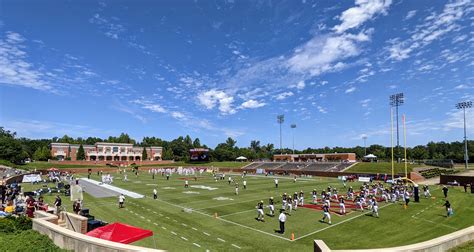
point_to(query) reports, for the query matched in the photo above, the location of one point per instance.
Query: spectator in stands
(10, 208)
(30, 206)
(76, 206)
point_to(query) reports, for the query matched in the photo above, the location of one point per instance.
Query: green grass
(467, 247)
(225, 164)
(237, 225)
(381, 167)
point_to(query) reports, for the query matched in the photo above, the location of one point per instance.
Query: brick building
(105, 152)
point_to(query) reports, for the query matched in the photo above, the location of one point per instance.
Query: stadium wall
(462, 180)
(67, 239)
(443, 243)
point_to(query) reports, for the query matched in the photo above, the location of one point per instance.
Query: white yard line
(228, 221)
(222, 240)
(236, 246)
(331, 226)
(436, 223)
(240, 212)
(233, 203)
(197, 245)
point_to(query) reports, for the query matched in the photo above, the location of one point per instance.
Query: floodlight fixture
(281, 120)
(465, 105)
(397, 100)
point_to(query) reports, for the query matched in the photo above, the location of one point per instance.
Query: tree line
(16, 149)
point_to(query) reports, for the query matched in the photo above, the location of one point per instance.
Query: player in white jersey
(342, 206)
(315, 196)
(301, 198)
(375, 209)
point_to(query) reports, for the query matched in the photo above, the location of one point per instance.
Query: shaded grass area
(467, 247)
(381, 167)
(178, 230)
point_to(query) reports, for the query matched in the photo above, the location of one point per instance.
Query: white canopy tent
(370, 156)
(241, 158)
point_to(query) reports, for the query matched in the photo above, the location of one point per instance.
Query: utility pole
(396, 101)
(464, 106)
(293, 126)
(365, 145)
(281, 120)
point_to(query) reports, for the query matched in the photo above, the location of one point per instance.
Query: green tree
(144, 154)
(167, 154)
(81, 155)
(197, 143)
(10, 148)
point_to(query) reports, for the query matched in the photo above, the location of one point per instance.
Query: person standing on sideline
(155, 194)
(167, 176)
(445, 192)
(236, 188)
(282, 219)
(230, 179)
(186, 183)
(121, 200)
(245, 184)
(57, 204)
(276, 183)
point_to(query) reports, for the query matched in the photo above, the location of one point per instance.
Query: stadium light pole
(397, 100)
(293, 126)
(365, 145)
(464, 106)
(280, 120)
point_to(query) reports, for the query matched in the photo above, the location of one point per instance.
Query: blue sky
(213, 69)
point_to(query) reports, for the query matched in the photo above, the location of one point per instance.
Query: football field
(209, 216)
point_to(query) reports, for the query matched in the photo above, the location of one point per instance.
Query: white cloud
(252, 104)
(410, 14)
(350, 90)
(110, 29)
(365, 103)
(462, 86)
(363, 11)
(324, 53)
(214, 97)
(150, 106)
(300, 85)
(322, 110)
(284, 95)
(15, 68)
(456, 119)
(433, 28)
(177, 115)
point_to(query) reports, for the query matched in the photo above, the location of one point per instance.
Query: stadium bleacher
(299, 166)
